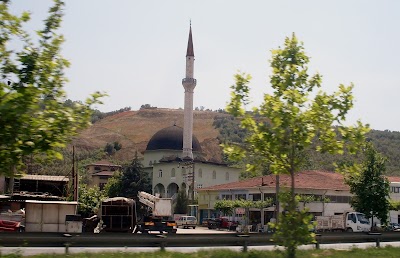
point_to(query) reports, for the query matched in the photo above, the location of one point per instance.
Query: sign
(240, 211)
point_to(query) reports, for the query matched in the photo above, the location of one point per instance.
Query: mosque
(173, 156)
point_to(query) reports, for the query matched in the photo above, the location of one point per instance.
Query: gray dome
(171, 138)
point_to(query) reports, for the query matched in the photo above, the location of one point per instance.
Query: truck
(117, 214)
(187, 221)
(159, 214)
(349, 222)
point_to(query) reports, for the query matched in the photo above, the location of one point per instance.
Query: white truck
(349, 221)
(161, 214)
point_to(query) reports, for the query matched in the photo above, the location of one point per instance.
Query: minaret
(189, 83)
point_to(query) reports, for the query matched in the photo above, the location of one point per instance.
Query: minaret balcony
(189, 81)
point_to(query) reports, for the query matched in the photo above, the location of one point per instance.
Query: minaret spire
(190, 51)
(189, 83)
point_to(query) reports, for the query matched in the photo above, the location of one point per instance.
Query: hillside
(133, 129)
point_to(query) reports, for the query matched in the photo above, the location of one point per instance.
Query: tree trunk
(372, 223)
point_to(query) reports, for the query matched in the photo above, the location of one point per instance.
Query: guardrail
(175, 240)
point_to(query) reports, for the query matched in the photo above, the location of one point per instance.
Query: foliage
(370, 188)
(182, 202)
(33, 117)
(294, 226)
(132, 180)
(227, 206)
(147, 106)
(111, 148)
(113, 185)
(394, 205)
(386, 142)
(296, 117)
(90, 199)
(372, 252)
(98, 115)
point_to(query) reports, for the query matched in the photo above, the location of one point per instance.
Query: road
(202, 230)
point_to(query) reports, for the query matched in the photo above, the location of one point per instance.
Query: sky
(135, 50)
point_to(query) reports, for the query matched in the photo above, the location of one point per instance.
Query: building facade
(332, 196)
(99, 173)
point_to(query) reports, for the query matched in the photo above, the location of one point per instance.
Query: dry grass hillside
(133, 129)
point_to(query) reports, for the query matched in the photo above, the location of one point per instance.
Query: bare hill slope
(133, 129)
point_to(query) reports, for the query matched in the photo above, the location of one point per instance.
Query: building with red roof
(328, 188)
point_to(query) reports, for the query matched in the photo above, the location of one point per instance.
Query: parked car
(392, 227)
(222, 222)
(10, 226)
(187, 221)
(205, 221)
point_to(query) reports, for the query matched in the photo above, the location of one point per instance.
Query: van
(187, 221)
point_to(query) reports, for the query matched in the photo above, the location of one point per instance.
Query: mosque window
(150, 163)
(227, 176)
(154, 162)
(200, 173)
(214, 175)
(160, 173)
(173, 172)
(183, 172)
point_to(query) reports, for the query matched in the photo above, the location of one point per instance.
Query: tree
(109, 149)
(182, 202)
(370, 188)
(113, 186)
(294, 118)
(117, 146)
(90, 199)
(132, 179)
(33, 117)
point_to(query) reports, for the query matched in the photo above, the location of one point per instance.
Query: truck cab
(357, 222)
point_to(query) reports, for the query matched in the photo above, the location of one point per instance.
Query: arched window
(214, 175)
(200, 173)
(227, 176)
(154, 162)
(150, 163)
(173, 172)
(160, 173)
(183, 171)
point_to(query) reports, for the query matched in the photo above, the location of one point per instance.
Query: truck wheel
(349, 230)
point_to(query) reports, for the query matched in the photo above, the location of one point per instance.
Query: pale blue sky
(135, 50)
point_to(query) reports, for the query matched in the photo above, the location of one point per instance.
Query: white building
(322, 185)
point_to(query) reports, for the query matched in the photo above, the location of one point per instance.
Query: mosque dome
(171, 138)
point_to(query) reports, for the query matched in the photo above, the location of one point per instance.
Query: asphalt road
(202, 230)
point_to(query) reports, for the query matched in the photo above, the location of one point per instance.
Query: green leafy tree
(296, 118)
(370, 188)
(113, 186)
(90, 199)
(33, 114)
(295, 227)
(394, 205)
(132, 179)
(182, 202)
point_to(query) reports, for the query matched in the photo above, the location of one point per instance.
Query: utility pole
(277, 198)
(74, 177)
(194, 171)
